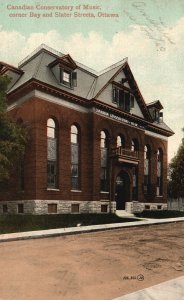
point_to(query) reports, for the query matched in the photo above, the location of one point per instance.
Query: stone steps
(124, 214)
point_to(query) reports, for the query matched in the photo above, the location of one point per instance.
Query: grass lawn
(160, 214)
(20, 223)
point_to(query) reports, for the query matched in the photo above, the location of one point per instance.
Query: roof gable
(156, 104)
(4, 67)
(65, 60)
(122, 77)
(135, 89)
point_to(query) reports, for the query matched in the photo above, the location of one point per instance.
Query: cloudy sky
(150, 33)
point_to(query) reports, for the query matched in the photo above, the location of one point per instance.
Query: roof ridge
(38, 66)
(113, 66)
(58, 53)
(92, 88)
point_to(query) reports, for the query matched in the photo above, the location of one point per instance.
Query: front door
(122, 190)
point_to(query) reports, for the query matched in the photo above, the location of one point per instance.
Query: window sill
(67, 86)
(101, 192)
(55, 190)
(76, 191)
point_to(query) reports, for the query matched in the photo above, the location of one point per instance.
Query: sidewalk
(169, 290)
(76, 230)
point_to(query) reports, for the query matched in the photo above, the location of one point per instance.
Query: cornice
(93, 103)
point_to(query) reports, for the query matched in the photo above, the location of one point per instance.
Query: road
(99, 265)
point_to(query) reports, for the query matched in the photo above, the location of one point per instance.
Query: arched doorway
(122, 190)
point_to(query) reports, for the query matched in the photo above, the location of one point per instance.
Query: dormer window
(155, 111)
(65, 77)
(63, 68)
(156, 115)
(68, 78)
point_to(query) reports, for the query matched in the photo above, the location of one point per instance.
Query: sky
(150, 33)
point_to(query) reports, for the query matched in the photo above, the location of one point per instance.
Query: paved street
(100, 265)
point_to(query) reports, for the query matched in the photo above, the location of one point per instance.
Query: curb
(83, 229)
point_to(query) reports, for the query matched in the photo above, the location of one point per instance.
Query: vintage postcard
(100, 86)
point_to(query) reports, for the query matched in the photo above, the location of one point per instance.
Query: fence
(176, 204)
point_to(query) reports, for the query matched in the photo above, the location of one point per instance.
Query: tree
(176, 173)
(13, 137)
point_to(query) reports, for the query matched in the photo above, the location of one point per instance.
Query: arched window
(51, 128)
(120, 141)
(134, 145)
(104, 161)
(147, 166)
(103, 139)
(74, 136)
(159, 171)
(51, 154)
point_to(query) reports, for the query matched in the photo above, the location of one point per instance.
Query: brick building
(95, 145)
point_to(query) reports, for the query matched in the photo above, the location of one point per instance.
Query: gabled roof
(107, 75)
(38, 66)
(64, 60)
(157, 104)
(134, 87)
(4, 67)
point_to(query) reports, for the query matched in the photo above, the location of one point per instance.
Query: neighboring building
(95, 145)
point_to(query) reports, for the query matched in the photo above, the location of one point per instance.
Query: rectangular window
(156, 117)
(68, 78)
(20, 208)
(75, 208)
(103, 180)
(161, 117)
(115, 95)
(75, 170)
(74, 79)
(147, 206)
(104, 155)
(104, 208)
(123, 99)
(74, 166)
(51, 173)
(52, 208)
(51, 149)
(127, 102)
(5, 208)
(131, 101)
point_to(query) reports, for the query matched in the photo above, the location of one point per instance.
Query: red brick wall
(36, 112)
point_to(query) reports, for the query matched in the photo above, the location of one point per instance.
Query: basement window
(5, 208)
(147, 206)
(20, 208)
(52, 208)
(104, 208)
(75, 208)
